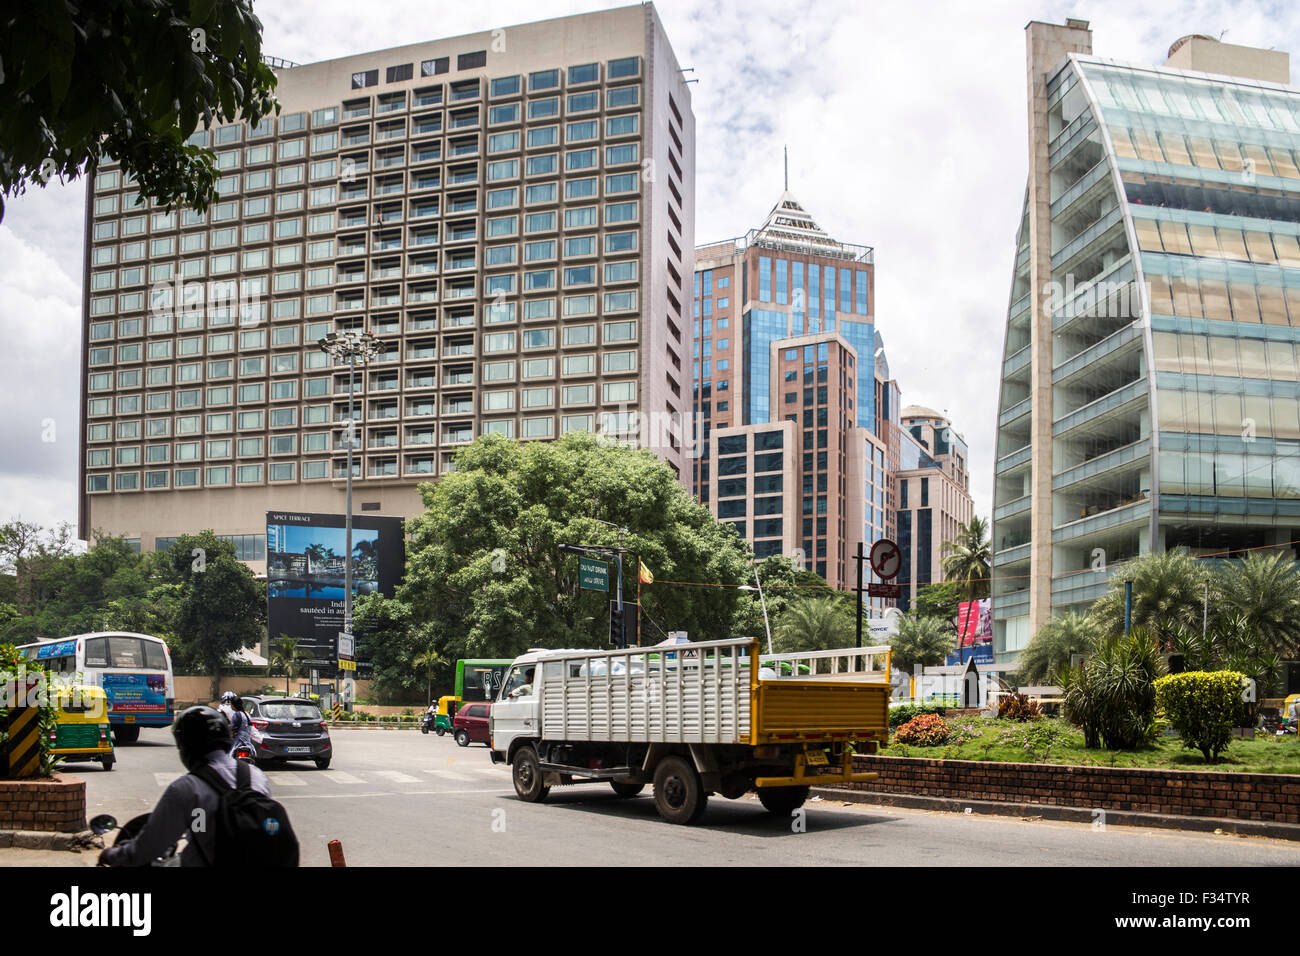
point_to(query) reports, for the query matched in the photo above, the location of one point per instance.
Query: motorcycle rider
(239, 726)
(202, 737)
(225, 706)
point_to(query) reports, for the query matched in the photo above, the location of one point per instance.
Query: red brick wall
(57, 804)
(1239, 796)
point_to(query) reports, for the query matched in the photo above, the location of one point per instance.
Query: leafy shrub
(1203, 707)
(1112, 697)
(926, 730)
(904, 713)
(1038, 738)
(1018, 707)
(962, 730)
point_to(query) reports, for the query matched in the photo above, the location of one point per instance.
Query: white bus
(135, 671)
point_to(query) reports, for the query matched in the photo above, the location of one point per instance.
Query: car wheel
(679, 794)
(782, 800)
(462, 738)
(126, 733)
(626, 790)
(322, 763)
(526, 771)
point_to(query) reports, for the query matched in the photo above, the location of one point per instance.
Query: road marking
(352, 794)
(492, 770)
(341, 776)
(164, 779)
(451, 774)
(396, 776)
(288, 780)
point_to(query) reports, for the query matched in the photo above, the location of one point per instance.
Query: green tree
(284, 658)
(430, 664)
(1168, 595)
(1049, 650)
(485, 576)
(814, 624)
(940, 599)
(970, 558)
(921, 640)
(127, 80)
(1263, 591)
(222, 608)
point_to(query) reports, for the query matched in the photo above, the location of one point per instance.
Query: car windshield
(289, 710)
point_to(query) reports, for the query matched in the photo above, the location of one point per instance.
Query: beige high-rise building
(510, 212)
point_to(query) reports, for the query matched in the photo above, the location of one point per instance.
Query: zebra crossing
(341, 779)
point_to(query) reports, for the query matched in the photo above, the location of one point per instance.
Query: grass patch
(1055, 741)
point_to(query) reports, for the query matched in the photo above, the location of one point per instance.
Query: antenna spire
(787, 168)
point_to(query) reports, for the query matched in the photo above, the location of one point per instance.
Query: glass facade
(1174, 309)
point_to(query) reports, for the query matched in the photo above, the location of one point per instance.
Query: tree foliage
(1262, 591)
(969, 559)
(941, 600)
(128, 80)
(817, 623)
(1168, 595)
(1050, 649)
(1112, 695)
(921, 640)
(485, 576)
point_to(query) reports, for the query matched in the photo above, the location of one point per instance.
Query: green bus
(480, 680)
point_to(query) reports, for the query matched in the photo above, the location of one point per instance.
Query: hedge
(1202, 706)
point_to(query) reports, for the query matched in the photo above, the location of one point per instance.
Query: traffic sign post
(593, 575)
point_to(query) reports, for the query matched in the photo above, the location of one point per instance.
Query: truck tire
(679, 795)
(526, 772)
(126, 733)
(626, 790)
(782, 800)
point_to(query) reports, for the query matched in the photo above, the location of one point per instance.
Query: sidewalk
(11, 857)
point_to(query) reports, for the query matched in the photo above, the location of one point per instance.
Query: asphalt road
(401, 798)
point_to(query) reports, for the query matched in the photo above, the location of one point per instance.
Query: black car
(288, 728)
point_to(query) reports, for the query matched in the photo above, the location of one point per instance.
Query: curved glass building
(1149, 395)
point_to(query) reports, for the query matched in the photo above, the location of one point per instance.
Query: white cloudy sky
(906, 127)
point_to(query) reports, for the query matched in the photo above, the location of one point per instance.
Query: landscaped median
(1041, 768)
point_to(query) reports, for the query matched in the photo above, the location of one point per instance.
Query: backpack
(251, 828)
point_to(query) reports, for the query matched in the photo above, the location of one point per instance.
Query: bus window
(154, 658)
(126, 652)
(97, 652)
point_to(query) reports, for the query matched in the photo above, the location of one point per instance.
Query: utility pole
(349, 345)
(860, 558)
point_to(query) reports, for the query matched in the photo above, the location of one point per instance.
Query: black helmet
(198, 732)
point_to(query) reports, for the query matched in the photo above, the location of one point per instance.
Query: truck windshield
(521, 679)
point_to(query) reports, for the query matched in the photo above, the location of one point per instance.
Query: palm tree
(1049, 650)
(1168, 595)
(970, 559)
(1264, 589)
(429, 661)
(284, 657)
(813, 624)
(921, 639)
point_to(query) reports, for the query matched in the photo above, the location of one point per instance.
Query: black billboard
(305, 574)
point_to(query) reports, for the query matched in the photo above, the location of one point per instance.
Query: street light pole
(349, 345)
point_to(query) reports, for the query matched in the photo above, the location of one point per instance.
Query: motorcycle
(244, 752)
(426, 723)
(105, 822)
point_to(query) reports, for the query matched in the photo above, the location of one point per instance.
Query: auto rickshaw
(447, 707)
(83, 731)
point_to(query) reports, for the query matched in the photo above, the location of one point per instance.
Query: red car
(471, 724)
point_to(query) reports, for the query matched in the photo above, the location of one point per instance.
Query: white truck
(693, 719)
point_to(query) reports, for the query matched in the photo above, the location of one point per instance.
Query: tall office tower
(510, 212)
(933, 496)
(1149, 392)
(799, 452)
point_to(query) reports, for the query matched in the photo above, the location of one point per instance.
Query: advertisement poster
(975, 632)
(306, 571)
(136, 693)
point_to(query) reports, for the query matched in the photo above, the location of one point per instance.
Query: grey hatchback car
(288, 728)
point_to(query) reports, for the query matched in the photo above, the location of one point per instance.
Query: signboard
(593, 574)
(347, 665)
(306, 565)
(348, 692)
(886, 560)
(58, 649)
(136, 693)
(346, 644)
(893, 591)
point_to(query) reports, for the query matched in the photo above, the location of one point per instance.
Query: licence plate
(816, 758)
(297, 750)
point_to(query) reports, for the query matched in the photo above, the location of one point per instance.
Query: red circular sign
(886, 559)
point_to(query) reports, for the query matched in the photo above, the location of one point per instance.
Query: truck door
(517, 711)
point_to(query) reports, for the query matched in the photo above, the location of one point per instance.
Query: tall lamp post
(349, 346)
(759, 589)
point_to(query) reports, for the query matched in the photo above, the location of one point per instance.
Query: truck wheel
(679, 795)
(126, 733)
(782, 800)
(462, 737)
(626, 790)
(526, 771)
